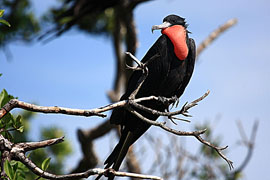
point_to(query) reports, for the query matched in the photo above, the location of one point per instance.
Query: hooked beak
(161, 26)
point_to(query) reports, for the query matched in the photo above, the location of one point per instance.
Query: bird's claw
(164, 100)
(175, 101)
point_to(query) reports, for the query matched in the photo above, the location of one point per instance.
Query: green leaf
(2, 12)
(5, 22)
(20, 129)
(66, 19)
(23, 168)
(17, 123)
(4, 97)
(1, 74)
(7, 135)
(28, 154)
(7, 121)
(45, 164)
(8, 169)
(16, 175)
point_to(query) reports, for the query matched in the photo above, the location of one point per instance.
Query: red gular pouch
(177, 34)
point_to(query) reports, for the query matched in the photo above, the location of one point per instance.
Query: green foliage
(2, 12)
(15, 170)
(24, 23)
(45, 164)
(9, 121)
(98, 23)
(21, 123)
(2, 20)
(59, 151)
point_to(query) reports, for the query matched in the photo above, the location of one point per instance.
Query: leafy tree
(24, 25)
(99, 17)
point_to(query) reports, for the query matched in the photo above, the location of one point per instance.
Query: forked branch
(17, 152)
(20, 148)
(183, 111)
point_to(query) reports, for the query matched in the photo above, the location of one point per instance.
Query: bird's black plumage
(168, 76)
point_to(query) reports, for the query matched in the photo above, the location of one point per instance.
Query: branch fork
(17, 151)
(183, 111)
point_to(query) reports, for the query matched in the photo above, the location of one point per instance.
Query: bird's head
(174, 27)
(170, 21)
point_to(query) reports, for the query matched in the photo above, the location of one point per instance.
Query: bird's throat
(177, 34)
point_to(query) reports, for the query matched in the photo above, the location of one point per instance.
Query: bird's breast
(177, 35)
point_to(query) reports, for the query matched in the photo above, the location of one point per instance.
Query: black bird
(169, 74)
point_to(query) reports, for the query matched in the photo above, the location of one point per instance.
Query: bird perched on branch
(168, 76)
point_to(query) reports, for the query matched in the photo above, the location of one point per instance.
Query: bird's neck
(177, 35)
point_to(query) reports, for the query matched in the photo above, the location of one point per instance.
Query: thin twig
(249, 143)
(184, 133)
(183, 110)
(29, 146)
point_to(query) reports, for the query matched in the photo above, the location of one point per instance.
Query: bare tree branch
(29, 146)
(214, 35)
(180, 133)
(127, 104)
(15, 103)
(249, 143)
(183, 111)
(17, 152)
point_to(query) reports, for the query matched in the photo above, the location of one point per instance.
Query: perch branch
(183, 110)
(15, 103)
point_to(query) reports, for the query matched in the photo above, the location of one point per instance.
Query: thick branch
(15, 103)
(96, 171)
(17, 152)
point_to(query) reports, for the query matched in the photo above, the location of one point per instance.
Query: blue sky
(76, 70)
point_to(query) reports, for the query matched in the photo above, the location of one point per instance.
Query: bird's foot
(175, 101)
(164, 100)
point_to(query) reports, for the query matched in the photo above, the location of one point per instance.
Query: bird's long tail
(119, 152)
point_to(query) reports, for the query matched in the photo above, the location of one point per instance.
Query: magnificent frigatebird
(169, 74)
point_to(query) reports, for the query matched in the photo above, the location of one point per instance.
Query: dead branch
(17, 152)
(29, 146)
(86, 139)
(15, 103)
(249, 143)
(214, 35)
(196, 134)
(183, 110)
